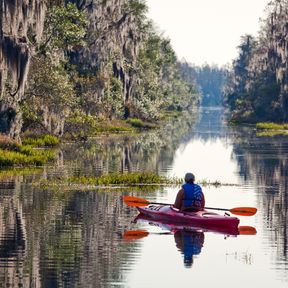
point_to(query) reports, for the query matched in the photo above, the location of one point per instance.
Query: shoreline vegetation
(39, 149)
(32, 152)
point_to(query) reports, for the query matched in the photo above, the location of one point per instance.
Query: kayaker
(190, 197)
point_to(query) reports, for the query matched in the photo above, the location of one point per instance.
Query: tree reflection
(264, 161)
(149, 151)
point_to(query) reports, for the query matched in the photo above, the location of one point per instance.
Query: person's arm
(179, 198)
(202, 199)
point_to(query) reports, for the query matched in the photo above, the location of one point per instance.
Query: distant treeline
(257, 89)
(72, 62)
(209, 80)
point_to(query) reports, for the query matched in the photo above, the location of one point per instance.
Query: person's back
(190, 196)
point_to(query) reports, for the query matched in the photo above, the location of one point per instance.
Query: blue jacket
(193, 196)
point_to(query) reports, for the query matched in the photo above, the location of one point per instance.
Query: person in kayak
(190, 197)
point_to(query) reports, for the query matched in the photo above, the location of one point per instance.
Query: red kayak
(201, 219)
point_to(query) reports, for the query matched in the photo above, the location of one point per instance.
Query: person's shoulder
(198, 186)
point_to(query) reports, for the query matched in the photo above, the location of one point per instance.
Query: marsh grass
(45, 140)
(135, 178)
(13, 154)
(145, 181)
(271, 133)
(14, 172)
(269, 129)
(272, 126)
(27, 156)
(139, 124)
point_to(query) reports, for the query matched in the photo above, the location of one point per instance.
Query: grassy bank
(14, 154)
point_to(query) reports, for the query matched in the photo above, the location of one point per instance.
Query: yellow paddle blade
(135, 201)
(247, 230)
(135, 234)
(244, 211)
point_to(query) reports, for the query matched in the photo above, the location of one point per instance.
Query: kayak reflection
(189, 243)
(189, 239)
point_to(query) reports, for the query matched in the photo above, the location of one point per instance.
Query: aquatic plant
(134, 178)
(146, 181)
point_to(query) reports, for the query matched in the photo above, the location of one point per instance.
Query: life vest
(193, 196)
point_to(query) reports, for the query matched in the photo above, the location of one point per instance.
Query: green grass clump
(138, 123)
(271, 133)
(272, 126)
(270, 129)
(12, 154)
(13, 172)
(135, 178)
(27, 156)
(45, 140)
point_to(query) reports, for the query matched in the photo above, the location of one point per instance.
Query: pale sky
(206, 30)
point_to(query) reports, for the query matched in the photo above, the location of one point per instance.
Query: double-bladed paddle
(241, 211)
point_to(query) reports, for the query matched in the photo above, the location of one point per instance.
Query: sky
(206, 31)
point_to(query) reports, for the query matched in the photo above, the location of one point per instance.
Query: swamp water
(53, 237)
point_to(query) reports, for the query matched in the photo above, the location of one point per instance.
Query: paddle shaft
(242, 211)
(210, 208)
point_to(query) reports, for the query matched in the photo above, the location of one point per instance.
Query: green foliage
(65, 27)
(50, 96)
(161, 85)
(133, 76)
(257, 87)
(136, 7)
(81, 126)
(112, 103)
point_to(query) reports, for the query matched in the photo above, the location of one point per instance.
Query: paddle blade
(244, 211)
(135, 234)
(247, 230)
(135, 201)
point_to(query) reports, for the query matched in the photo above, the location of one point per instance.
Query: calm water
(59, 238)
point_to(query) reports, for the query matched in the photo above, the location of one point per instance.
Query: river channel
(72, 238)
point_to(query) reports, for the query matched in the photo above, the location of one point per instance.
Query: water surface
(59, 238)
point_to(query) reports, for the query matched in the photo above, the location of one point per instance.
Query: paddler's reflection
(189, 243)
